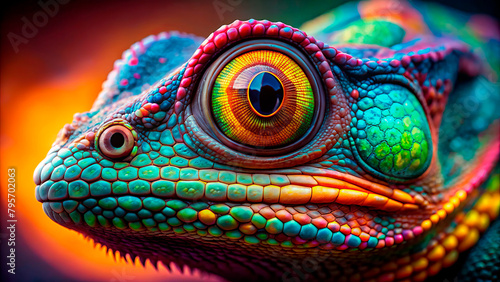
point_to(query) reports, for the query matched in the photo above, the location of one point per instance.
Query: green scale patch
(376, 32)
(391, 133)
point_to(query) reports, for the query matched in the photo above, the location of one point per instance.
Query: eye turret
(261, 97)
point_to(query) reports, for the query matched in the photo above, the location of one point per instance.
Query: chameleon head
(263, 143)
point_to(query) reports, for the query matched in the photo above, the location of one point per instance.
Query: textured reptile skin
(378, 164)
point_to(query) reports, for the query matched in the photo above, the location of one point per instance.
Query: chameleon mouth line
(337, 191)
(302, 189)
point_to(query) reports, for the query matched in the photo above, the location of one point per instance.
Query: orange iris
(263, 98)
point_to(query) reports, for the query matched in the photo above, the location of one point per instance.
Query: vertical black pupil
(265, 93)
(117, 140)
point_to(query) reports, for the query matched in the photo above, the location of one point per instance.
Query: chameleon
(361, 147)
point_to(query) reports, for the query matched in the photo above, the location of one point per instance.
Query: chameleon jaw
(283, 203)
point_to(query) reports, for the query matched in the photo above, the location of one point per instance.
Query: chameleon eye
(263, 99)
(392, 134)
(116, 141)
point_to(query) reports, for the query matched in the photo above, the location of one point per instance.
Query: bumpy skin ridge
(379, 192)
